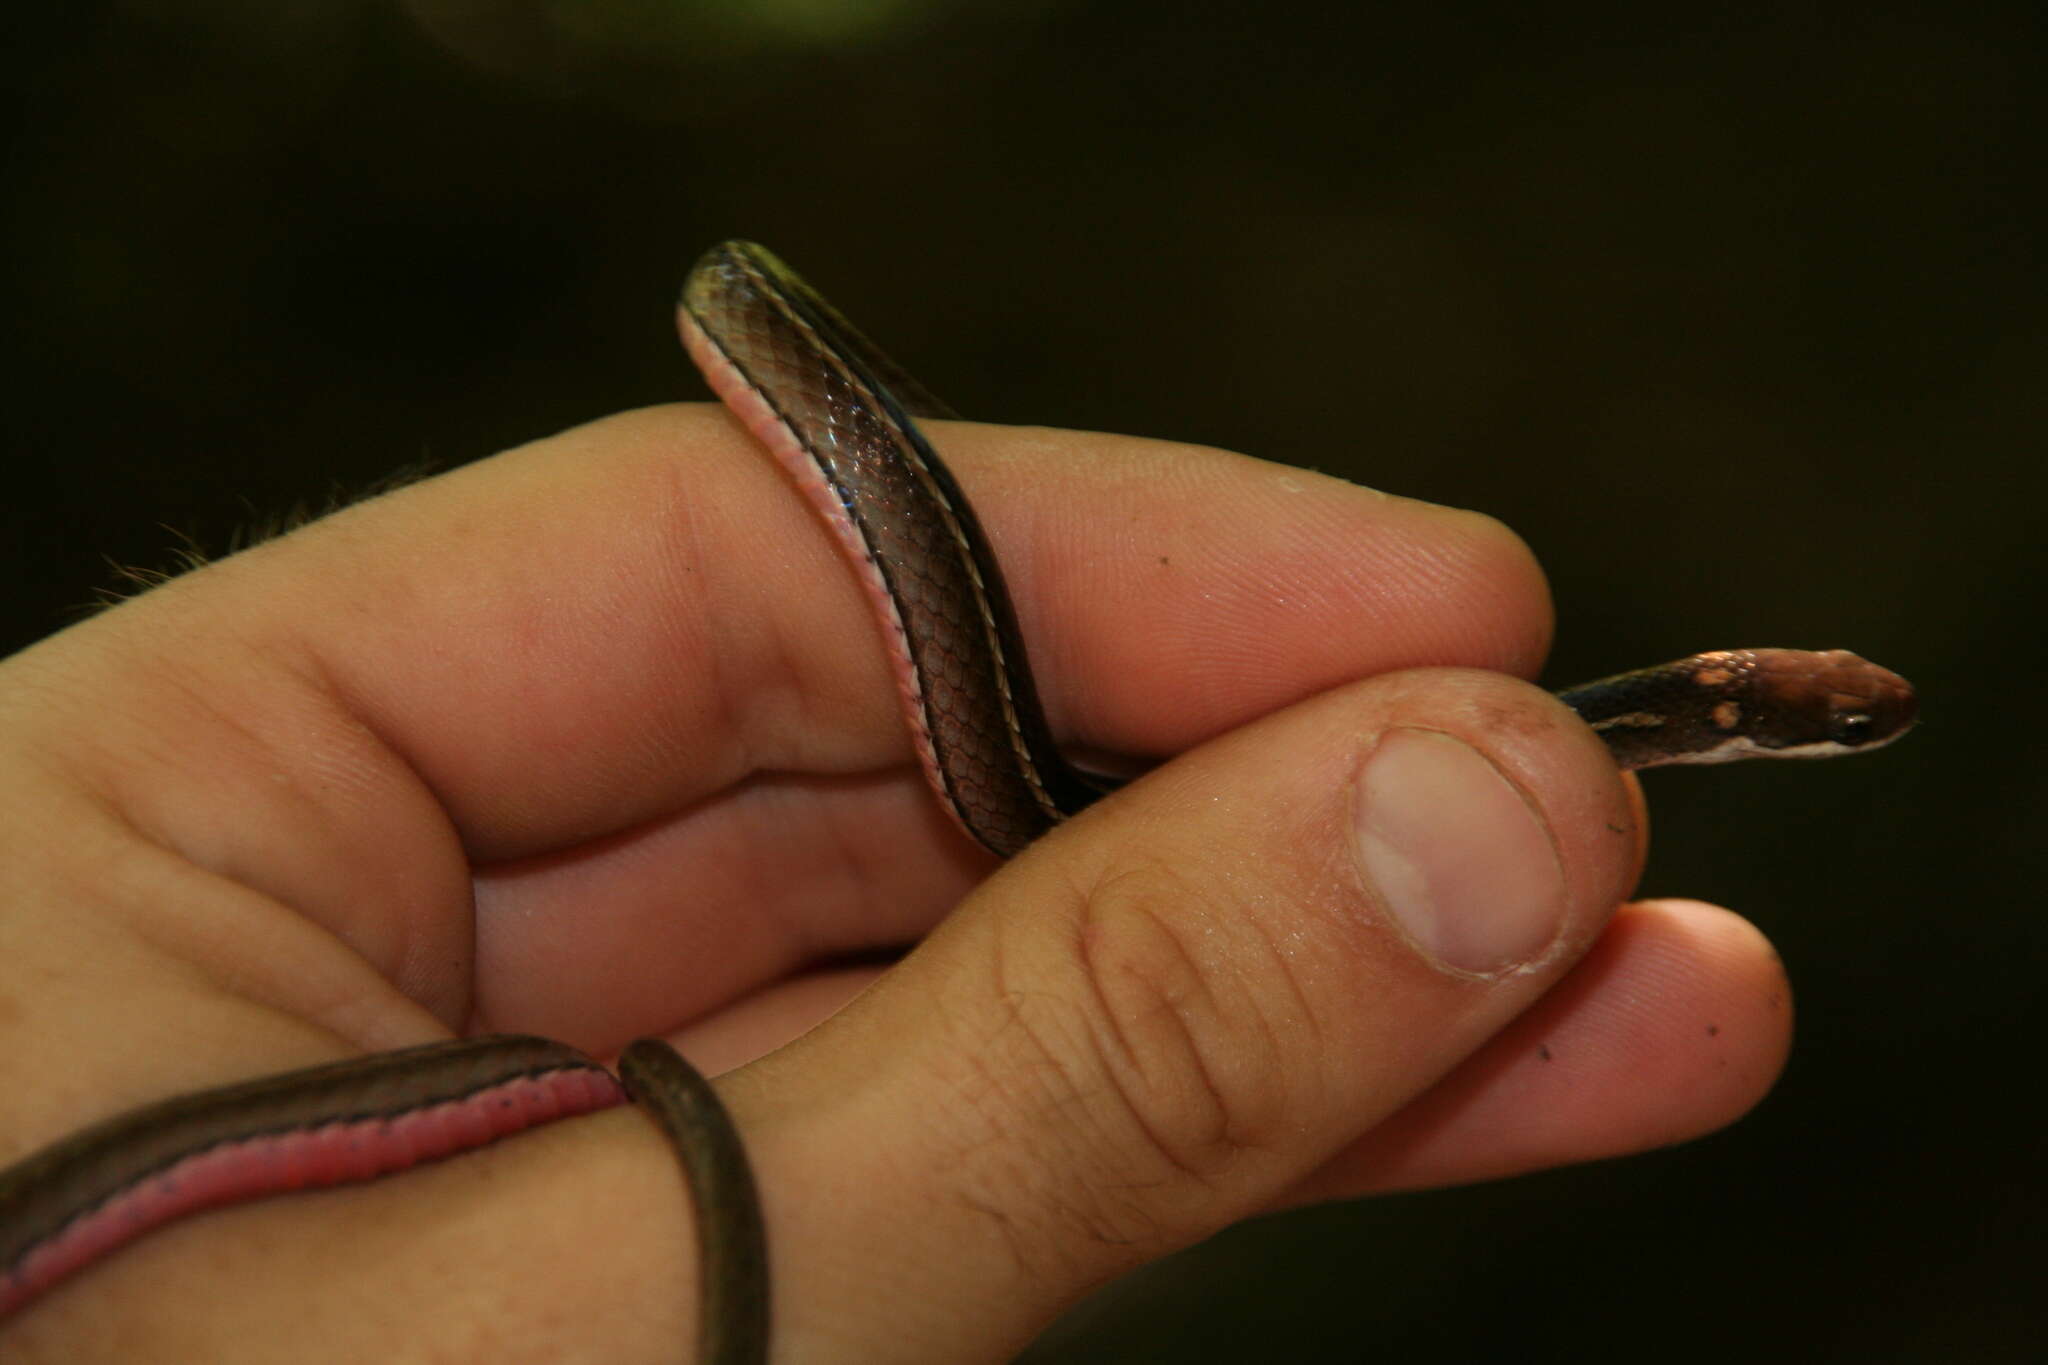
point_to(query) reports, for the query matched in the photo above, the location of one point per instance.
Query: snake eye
(1851, 728)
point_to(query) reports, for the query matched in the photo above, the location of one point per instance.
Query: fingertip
(1191, 590)
(1743, 1007)
(1685, 1013)
(1674, 1025)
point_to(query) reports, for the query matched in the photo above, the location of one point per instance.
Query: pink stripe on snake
(337, 1153)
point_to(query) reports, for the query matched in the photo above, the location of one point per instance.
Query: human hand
(594, 740)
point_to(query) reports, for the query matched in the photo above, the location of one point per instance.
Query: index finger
(609, 625)
(611, 655)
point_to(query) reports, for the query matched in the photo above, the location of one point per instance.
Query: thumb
(1177, 1006)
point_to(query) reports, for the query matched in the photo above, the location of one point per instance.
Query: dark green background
(1738, 318)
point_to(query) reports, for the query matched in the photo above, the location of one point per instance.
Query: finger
(1256, 585)
(1175, 592)
(643, 607)
(1171, 1011)
(558, 658)
(676, 922)
(1675, 1023)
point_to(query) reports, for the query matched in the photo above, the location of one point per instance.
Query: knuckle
(1177, 990)
(1163, 1047)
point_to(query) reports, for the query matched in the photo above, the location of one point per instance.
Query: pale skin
(595, 740)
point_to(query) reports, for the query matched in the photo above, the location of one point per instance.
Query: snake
(842, 420)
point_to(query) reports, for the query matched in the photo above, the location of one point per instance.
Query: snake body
(838, 414)
(841, 417)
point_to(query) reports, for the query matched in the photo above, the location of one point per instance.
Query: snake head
(1827, 702)
(1731, 704)
(1794, 703)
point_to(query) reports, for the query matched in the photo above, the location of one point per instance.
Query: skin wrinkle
(167, 685)
(1115, 961)
(1037, 1258)
(281, 987)
(1007, 1232)
(998, 1101)
(789, 920)
(711, 663)
(862, 867)
(799, 946)
(411, 963)
(798, 705)
(779, 802)
(807, 947)
(855, 868)
(1270, 1033)
(416, 966)
(1125, 1076)
(1128, 1222)
(744, 713)
(1332, 908)
(257, 753)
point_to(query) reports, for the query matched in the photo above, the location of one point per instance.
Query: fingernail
(1456, 853)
